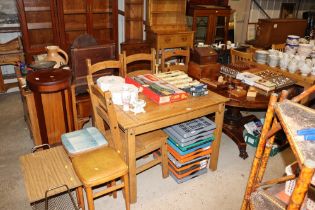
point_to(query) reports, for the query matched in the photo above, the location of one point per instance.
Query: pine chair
(280, 47)
(139, 57)
(146, 143)
(181, 57)
(240, 56)
(289, 116)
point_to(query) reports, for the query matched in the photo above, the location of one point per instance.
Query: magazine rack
(291, 117)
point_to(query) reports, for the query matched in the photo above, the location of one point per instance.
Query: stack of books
(189, 147)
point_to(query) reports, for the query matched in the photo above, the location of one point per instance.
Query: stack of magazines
(189, 147)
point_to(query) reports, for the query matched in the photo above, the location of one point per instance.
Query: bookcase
(133, 20)
(166, 15)
(59, 22)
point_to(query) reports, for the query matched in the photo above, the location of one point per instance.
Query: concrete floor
(222, 189)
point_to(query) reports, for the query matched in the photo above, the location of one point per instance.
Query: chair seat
(149, 142)
(99, 166)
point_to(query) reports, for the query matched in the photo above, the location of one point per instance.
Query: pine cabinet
(59, 22)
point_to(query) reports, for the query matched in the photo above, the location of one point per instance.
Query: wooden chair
(240, 56)
(280, 47)
(106, 164)
(289, 116)
(181, 57)
(139, 57)
(83, 47)
(146, 143)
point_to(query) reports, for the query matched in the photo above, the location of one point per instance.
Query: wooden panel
(54, 116)
(133, 20)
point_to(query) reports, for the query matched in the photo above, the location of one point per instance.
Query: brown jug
(53, 55)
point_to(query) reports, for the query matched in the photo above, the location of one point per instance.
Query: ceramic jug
(293, 66)
(305, 69)
(53, 55)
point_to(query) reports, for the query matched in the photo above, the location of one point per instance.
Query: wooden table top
(161, 113)
(47, 169)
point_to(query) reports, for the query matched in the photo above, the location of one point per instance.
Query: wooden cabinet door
(39, 26)
(74, 19)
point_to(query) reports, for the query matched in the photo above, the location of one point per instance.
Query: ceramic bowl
(261, 56)
(291, 49)
(292, 40)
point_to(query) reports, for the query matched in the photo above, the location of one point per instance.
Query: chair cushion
(83, 140)
(99, 166)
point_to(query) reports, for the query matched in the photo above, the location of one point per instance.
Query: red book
(156, 89)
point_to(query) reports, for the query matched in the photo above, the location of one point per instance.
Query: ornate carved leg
(233, 127)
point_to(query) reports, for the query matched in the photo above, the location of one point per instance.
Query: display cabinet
(39, 25)
(211, 23)
(133, 20)
(59, 22)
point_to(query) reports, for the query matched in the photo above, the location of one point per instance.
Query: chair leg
(80, 198)
(113, 183)
(126, 191)
(89, 197)
(164, 159)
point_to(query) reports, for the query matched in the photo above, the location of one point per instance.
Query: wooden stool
(52, 97)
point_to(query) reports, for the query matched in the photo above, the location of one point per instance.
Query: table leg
(233, 127)
(219, 115)
(131, 161)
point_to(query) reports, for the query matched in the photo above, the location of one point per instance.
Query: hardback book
(248, 78)
(265, 85)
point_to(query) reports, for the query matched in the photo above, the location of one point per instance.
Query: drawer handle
(167, 39)
(184, 39)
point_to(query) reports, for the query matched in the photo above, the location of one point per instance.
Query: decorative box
(204, 55)
(83, 140)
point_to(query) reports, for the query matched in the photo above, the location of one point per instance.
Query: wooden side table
(46, 170)
(170, 39)
(52, 98)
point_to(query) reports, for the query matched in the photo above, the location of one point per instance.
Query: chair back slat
(139, 57)
(240, 56)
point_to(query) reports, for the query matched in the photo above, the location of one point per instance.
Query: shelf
(168, 12)
(36, 9)
(133, 19)
(70, 12)
(33, 26)
(220, 27)
(109, 10)
(73, 27)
